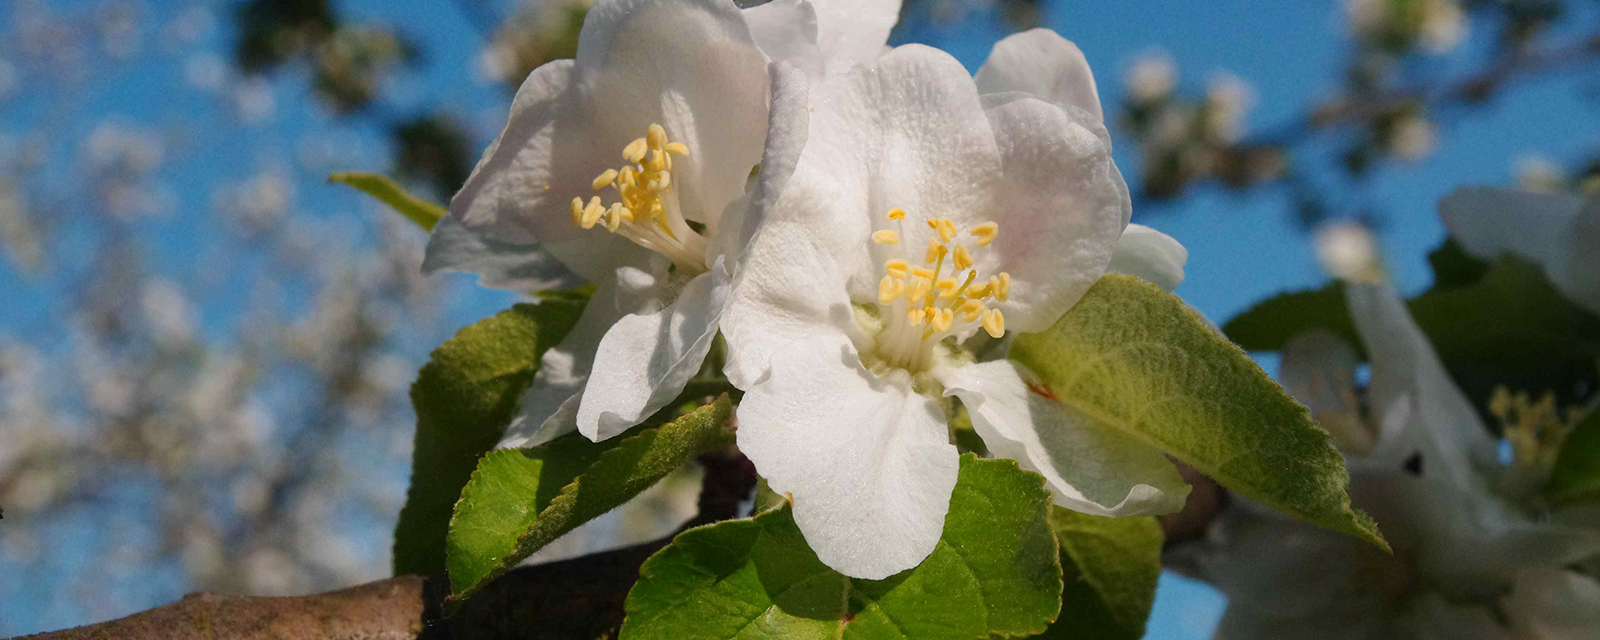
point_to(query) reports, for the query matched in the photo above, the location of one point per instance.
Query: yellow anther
(614, 217)
(918, 291)
(935, 251)
(947, 288)
(627, 177)
(914, 317)
(971, 310)
(885, 236)
(634, 152)
(592, 213)
(657, 136)
(994, 323)
(897, 214)
(889, 289)
(627, 214)
(941, 319)
(577, 211)
(677, 148)
(978, 291)
(896, 268)
(1002, 291)
(604, 180)
(946, 229)
(985, 233)
(922, 272)
(963, 260)
(662, 182)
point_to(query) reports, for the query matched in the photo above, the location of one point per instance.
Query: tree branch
(577, 599)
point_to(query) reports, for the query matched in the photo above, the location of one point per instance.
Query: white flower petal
(787, 289)
(1318, 368)
(1151, 255)
(499, 265)
(520, 190)
(1406, 371)
(786, 31)
(852, 32)
(548, 408)
(542, 417)
(788, 121)
(1090, 467)
(1557, 231)
(1432, 617)
(866, 460)
(1041, 63)
(1555, 604)
(645, 358)
(907, 132)
(1289, 571)
(1465, 543)
(1061, 209)
(691, 66)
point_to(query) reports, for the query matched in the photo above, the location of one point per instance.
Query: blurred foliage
(348, 62)
(1388, 108)
(434, 150)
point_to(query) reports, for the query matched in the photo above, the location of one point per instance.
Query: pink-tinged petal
(1041, 63)
(1061, 208)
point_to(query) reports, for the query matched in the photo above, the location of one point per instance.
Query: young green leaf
(995, 573)
(464, 398)
(520, 500)
(1135, 358)
(1110, 567)
(425, 214)
(1576, 476)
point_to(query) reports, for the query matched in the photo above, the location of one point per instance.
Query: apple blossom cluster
(1479, 551)
(863, 226)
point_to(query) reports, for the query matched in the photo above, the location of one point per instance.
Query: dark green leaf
(425, 214)
(1135, 358)
(520, 500)
(995, 573)
(1110, 567)
(464, 398)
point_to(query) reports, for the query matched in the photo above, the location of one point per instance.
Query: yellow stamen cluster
(936, 301)
(646, 209)
(1535, 429)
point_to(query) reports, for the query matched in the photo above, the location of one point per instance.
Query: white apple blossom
(1465, 552)
(920, 213)
(1557, 231)
(627, 167)
(823, 38)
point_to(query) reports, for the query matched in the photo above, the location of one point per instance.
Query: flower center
(921, 306)
(646, 210)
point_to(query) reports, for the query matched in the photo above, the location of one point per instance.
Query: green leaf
(520, 500)
(1576, 475)
(424, 213)
(464, 398)
(1508, 327)
(1110, 567)
(1135, 358)
(995, 573)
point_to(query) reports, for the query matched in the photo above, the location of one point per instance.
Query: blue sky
(1242, 248)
